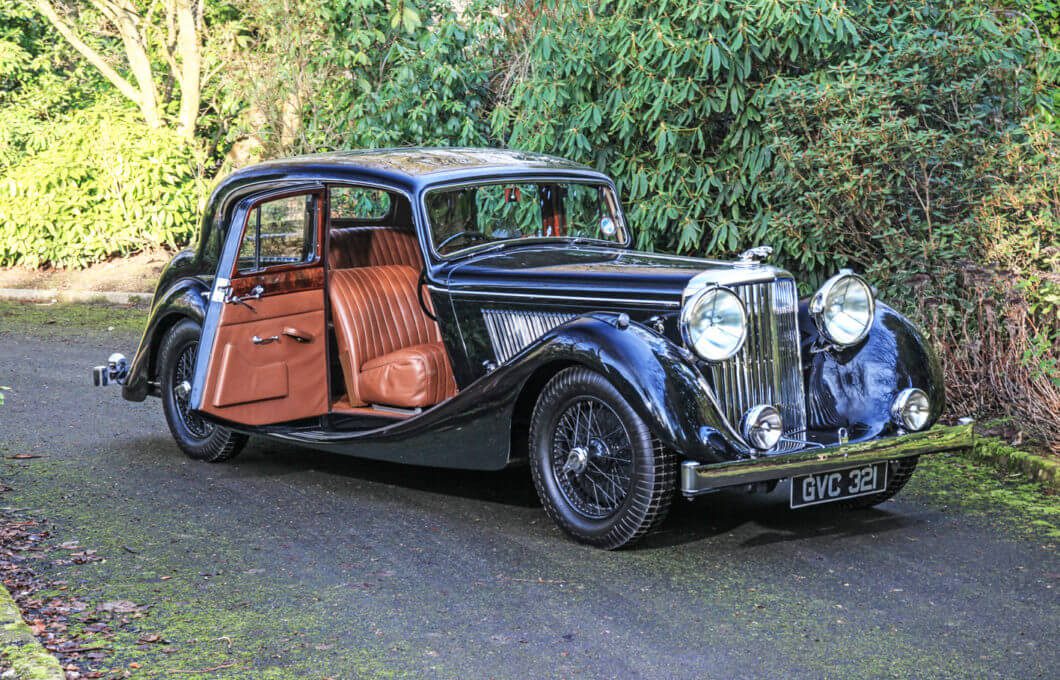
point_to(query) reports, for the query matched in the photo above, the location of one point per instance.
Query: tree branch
(91, 56)
(124, 16)
(188, 49)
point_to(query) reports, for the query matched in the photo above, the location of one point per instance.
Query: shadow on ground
(689, 521)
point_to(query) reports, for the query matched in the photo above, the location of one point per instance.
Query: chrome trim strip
(560, 298)
(698, 478)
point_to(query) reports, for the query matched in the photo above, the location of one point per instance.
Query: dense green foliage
(818, 128)
(395, 88)
(915, 142)
(105, 184)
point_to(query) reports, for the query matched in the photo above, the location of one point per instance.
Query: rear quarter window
(359, 203)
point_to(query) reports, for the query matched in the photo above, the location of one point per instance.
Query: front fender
(656, 377)
(855, 387)
(183, 299)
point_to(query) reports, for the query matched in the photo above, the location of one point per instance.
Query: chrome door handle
(299, 336)
(255, 294)
(258, 340)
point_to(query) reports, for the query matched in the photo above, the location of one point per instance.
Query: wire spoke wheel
(182, 377)
(600, 473)
(195, 435)
(592, 457)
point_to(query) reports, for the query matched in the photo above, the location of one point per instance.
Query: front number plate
(826, 487)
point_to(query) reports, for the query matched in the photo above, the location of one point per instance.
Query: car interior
(387, 352)
(336, 273)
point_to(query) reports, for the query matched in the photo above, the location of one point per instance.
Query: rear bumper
(699, 478)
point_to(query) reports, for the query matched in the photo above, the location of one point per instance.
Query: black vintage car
(476, 308)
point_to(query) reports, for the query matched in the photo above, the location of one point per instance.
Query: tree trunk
(123, 14)
(188, 49)
(148, 105)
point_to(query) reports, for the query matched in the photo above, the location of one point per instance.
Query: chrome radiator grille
(511, 331)
(768, 369)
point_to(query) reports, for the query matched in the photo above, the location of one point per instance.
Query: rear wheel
(601, 475)
(897, 475)
(196, 437)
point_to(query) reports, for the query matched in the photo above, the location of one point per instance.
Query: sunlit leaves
(104, 184)
(669, 100)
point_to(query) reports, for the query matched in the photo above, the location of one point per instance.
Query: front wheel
(601, 475)
(196, 437)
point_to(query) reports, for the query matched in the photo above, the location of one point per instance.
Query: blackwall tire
(197, 438)
(623, 485)
(899, 473)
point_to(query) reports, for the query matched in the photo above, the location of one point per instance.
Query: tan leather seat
(391, 352)
(373, 246)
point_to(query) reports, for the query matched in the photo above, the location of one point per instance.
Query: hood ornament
(756, 254)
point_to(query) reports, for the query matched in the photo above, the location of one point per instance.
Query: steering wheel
(419, 295)
(466, 233)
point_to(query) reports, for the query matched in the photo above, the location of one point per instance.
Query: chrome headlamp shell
(714, 323)
(843, 309)
(762, 427)
(911, 409)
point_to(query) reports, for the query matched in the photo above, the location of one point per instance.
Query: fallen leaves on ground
(78, 634)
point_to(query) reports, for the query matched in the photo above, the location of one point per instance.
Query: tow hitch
(115, 371)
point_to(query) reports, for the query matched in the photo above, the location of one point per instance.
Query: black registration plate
(826, 487)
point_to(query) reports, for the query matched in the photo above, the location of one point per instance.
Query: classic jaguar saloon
(475, 308)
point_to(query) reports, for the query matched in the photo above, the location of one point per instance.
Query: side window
(359, 203)
(280, 231)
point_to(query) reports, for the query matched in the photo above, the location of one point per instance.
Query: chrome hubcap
(577, 460)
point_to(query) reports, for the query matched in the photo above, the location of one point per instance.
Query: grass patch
(1036, 467)
(66, 319)
(955, 480)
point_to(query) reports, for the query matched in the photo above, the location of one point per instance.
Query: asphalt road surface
(287, 563)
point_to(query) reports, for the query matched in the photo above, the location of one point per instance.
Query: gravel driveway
(288, 563)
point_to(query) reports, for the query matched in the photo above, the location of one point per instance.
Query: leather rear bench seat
(373, 246)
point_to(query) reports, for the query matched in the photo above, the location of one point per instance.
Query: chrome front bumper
(699, 478)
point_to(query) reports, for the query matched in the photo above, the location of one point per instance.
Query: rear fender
(185, 299)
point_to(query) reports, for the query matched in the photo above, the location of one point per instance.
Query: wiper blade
(481, 250)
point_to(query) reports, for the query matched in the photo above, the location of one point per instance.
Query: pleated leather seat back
(379, 323)
(373, 246)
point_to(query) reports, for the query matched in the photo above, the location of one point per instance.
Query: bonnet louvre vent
(511, 331)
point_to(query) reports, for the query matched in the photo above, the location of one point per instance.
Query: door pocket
(242, 382)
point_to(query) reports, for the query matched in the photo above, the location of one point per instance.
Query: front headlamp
(714, 323)
(843, 309)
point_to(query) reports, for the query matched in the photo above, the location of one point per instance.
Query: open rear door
(262, 358)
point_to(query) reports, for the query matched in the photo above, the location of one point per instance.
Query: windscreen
(467, 217)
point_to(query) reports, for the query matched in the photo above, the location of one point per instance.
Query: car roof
(412, 168)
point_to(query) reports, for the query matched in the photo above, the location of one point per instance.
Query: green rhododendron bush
(913, 142)
(103, 184)
(909, 141)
